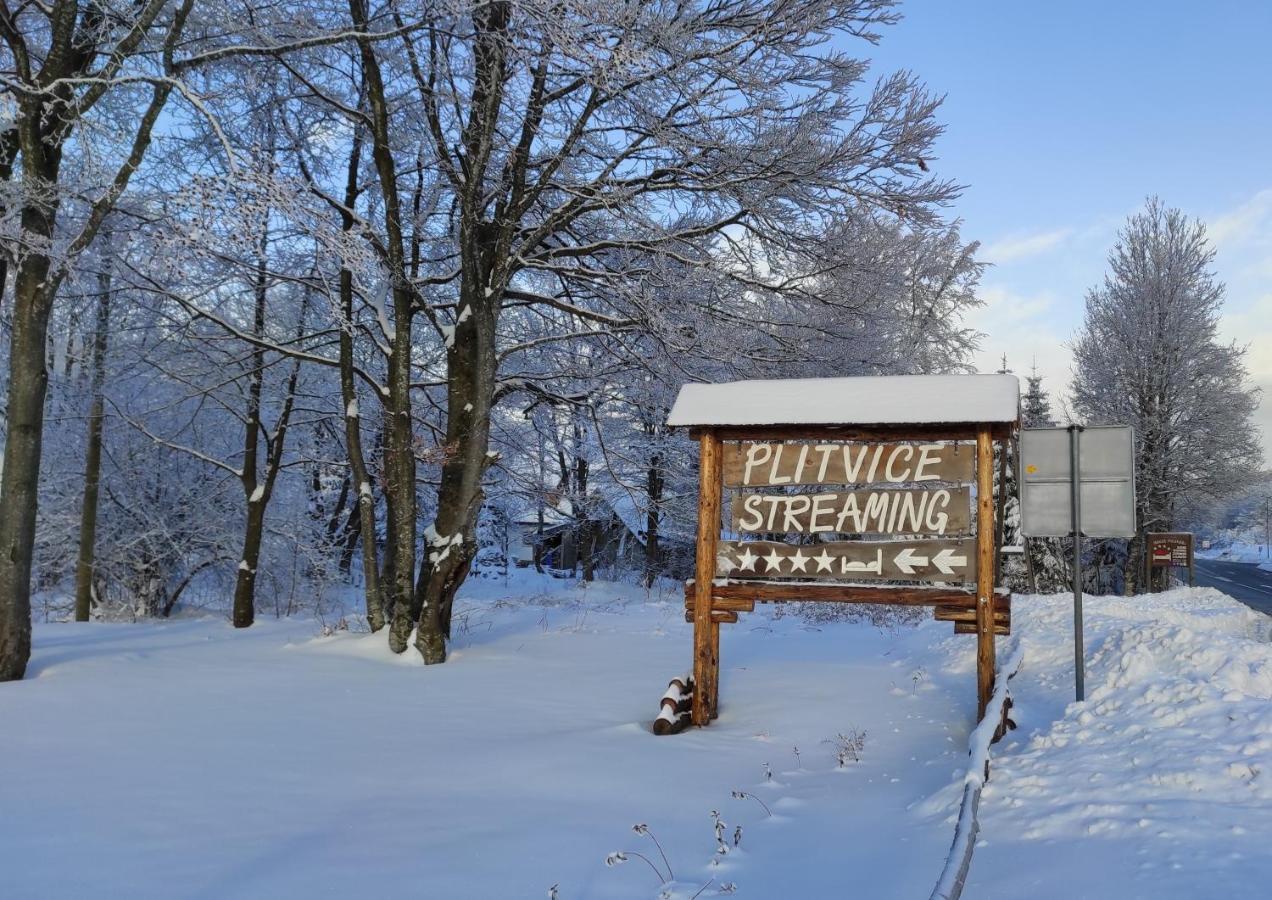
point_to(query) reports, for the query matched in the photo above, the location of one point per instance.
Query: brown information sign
(752, 464)
(929, 511)
(1170, 549)
(947, 561)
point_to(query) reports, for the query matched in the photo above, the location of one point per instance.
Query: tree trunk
(653, 490)
(28, 384)
(374, 593)
(245, 578)
(93, 454)
(470, 390)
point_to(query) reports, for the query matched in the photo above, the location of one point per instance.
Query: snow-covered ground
(1160, 784)
(1238, 551)
(185, 759)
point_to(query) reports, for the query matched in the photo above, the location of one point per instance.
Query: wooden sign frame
(711, 600)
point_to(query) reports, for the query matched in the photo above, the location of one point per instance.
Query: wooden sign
(1170, 549)
(939, 511)
(947, 561)
(749, 464)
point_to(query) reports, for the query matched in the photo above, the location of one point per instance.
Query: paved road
(1245, 581)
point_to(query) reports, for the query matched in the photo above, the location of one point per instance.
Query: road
(1244, 581)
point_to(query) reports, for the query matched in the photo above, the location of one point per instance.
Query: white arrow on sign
(946, 561)
(907, 559)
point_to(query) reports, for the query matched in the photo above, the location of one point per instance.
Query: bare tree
(1148, 355)
(93, 444)
(580, 142)
(71, 67)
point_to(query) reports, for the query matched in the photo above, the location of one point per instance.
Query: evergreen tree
(1036, 405)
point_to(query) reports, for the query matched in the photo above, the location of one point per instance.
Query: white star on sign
(824, 561)
(747, 560)
(774, 560)
(799, 561)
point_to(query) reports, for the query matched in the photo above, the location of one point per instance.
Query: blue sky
(1062, 117)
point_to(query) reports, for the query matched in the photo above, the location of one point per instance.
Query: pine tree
(1036, 406)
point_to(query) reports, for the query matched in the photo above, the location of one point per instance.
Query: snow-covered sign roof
(865, 400)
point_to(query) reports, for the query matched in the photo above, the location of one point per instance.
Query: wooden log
(718, 603)
(952, 613)
(775, 592)
(974, 628)
(969, 616)
(714, 699)
(682, 683)
(672, 726)
(985, 628)
(675, 707)
(705, 663)
(677, 704)
(717, 616)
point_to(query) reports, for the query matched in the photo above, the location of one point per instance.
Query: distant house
(612, 524)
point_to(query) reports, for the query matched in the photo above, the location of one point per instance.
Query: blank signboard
(1106, 466)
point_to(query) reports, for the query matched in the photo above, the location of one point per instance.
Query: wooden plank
(751, 464)
(946, 613)
(917, 511)
(949, 561)
(717, 603)
(973, 628)
(717, 615)
(774, 592)
(709, 490)
(984, 571)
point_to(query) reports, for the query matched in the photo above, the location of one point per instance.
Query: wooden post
(1000, 520)
(715, 674)
(706, 659)
(984, 570)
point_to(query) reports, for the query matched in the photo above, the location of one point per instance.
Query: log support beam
(706, 633)
(985, 627)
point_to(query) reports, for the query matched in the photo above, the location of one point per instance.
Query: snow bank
(1156, 786)
(872, 400)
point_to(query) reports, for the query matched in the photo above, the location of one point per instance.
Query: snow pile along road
(1159, 785)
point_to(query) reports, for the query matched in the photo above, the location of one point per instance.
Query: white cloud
(1023, 246)
(1248, 223)
(1251, 327)
(1030, 329)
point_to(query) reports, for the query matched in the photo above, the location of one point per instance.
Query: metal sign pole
(1079, 674)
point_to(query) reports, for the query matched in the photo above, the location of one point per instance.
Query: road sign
(938, 511)
(1106, 475)
(1170, 548)
(946, 561)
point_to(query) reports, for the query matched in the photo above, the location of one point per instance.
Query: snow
(863, 400)
(448, 331)
(1156, 785)
(190, 759)
(257, 495)
(351, 410)
(1235, 551)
